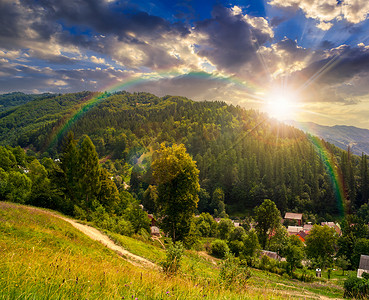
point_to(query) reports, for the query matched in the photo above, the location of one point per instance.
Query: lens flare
(281, 104)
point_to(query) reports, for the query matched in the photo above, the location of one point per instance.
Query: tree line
(243, 156)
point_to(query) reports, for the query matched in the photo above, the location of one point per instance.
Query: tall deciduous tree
(268, 219)
(218, 203)
(177, 178)
(294, 252)
(321, 245)
(40, 191)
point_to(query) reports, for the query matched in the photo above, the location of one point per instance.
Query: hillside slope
(44, 257)
(97, 235)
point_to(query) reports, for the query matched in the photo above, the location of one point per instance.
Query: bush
(236, 247)
(234, 271)
(356, 287)
(219, 248)
(174, 253)
(265, 263)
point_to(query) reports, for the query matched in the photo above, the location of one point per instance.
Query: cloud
(336, 75)
(325, 12)
(230, 39)
(99, 60)
(340, 64)
(57, 31)
(20, 77)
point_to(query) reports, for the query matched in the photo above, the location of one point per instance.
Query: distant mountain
(340, 135)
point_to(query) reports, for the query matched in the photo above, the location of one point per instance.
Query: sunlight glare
(281, 105)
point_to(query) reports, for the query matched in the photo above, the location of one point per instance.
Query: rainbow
(331, 166)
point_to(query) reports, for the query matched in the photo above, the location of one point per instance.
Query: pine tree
(364, 186)
(89, 172)
(69, 165)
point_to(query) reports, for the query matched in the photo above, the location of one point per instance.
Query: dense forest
(243, 156)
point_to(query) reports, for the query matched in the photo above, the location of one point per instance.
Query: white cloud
(96, 60)
(326, 11)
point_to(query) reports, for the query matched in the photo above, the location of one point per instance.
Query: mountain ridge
(342, 136)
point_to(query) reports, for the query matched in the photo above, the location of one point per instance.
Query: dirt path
(96, 235)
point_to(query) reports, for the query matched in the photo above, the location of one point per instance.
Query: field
(44, 257)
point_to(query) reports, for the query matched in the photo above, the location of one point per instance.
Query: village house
(363, 265)
(308, 227)
(302, 236)
(294, 216)
(293, 230)
(333, 225)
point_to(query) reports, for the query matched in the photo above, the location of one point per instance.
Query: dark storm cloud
(231, 41)
(326, 44)
(43, 27)
(294, 52)
(104, 18)
(341, 76)
(342, 64)
(8, 16)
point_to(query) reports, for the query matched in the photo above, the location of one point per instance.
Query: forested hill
(11, 100)
(243, 156)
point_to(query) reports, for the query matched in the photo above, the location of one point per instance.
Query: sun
(281, 105)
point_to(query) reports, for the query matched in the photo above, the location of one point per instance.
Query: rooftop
(294, 229)
(364, 262)
(293, 216)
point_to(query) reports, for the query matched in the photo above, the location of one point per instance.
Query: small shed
(155, 230)
(270, 254)
(363, 265)
(294, 216)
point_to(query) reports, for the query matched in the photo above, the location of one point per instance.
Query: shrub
(356, 287)
(234, 271)
(236, 247)
(219, 248)
(174, 253)
(124, 227)
(265, 263)
(225, 227)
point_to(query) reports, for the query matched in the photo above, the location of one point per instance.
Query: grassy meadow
(43, 257)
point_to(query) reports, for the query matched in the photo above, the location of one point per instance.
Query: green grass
(43, 257)
(141, 248)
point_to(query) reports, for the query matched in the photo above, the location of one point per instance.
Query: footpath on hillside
(97, 235)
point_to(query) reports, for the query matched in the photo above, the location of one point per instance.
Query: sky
(306, 60)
